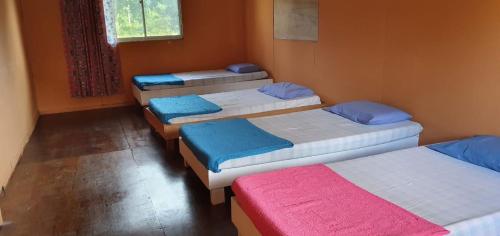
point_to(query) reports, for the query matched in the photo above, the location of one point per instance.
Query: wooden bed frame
(240, 219)
(170, 132)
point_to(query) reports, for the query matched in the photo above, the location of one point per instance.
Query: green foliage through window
(147, 18)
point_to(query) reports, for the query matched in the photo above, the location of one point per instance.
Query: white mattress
(463, 198)
(319, 132)
(210, 77)
(244, 102)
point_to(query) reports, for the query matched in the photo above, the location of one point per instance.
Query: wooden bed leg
(172, 146)
(169, 146)
(217, 196)
(176, 145)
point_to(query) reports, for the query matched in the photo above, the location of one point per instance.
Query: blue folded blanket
(173, 107)
(219, 141)
(142, 81)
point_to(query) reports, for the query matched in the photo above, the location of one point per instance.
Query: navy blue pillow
(480, 150)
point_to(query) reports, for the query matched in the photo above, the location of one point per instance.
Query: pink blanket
(314, 200)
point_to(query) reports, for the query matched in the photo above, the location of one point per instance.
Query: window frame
(154, 38)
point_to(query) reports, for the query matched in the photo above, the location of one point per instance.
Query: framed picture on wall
(296, 20)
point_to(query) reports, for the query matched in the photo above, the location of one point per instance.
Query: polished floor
(104, 173)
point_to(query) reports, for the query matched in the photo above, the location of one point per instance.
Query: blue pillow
(370, 113)
(244, 68)
(286, 91)
(480, 150)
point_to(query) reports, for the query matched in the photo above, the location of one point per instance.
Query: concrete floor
(104, 173)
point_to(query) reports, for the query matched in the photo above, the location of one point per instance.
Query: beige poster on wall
(296, 19)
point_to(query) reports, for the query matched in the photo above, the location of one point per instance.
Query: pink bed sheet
(314, 200)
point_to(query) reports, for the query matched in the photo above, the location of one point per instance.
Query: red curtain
(94, 67)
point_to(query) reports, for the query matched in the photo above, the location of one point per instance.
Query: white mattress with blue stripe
(462, 197)
(242, 102)
(319, 132)
(210, 77)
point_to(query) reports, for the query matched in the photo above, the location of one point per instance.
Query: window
(139, 20)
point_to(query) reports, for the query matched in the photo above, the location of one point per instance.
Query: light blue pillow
(244, 68)
(369, 113)
(480, 150)
(286, 91)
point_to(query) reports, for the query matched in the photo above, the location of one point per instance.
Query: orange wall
(213, 38)
(440, 60)
(18, 116)
(259, 33)
(442, 64)
(345, 64)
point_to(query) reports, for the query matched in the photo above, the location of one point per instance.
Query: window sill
(153, 38)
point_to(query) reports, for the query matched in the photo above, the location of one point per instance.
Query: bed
(242, 103)
(318, 137)
(200, 82)
(460, 197)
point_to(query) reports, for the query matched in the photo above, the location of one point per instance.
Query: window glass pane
(162, 17)
(129, 22)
